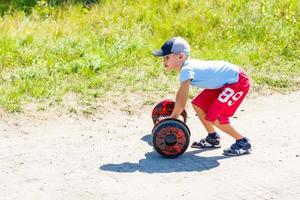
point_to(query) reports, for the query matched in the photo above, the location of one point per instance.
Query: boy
(225, 86)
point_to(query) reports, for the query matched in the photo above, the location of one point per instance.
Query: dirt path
(111, 158)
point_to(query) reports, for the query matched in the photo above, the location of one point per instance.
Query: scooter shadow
(155, 163)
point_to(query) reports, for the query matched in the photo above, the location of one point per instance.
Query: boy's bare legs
(213, 139)
(201, 115)
(227, 128)
(241, 146)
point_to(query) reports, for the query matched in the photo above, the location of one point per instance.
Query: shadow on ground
(155, 163)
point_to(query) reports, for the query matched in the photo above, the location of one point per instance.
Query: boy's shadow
(155, 163)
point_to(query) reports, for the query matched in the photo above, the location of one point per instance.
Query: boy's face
(173, 61)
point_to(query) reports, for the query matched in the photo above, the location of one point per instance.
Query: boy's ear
(181, 55)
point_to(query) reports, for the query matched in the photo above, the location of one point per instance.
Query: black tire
(167, 130)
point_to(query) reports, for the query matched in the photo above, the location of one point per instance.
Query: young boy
(225, 86)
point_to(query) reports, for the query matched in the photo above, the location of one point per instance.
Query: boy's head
(174, 52)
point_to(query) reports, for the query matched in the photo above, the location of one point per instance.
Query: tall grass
(105, 48)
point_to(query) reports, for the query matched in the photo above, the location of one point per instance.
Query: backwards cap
(173, 45)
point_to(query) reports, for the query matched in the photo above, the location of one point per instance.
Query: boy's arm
(181, 98)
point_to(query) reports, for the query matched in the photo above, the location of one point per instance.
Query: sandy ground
(111, 157)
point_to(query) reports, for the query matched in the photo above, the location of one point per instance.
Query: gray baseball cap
(173, 45)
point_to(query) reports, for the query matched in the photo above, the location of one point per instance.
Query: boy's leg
(228, 128)
(201, 115)
(241, 146)
(201, 104)
(213, 139)
(209, 126)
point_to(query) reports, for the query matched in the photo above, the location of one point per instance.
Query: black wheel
(171, 138)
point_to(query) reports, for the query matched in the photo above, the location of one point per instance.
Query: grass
(105, 49)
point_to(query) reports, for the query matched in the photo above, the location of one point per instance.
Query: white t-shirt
(209, 74)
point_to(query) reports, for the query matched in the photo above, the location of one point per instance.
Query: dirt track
(112, 158)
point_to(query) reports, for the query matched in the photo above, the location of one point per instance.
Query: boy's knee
(196, 107)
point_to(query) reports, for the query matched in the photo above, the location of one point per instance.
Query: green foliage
(27, 5)
(93, 48)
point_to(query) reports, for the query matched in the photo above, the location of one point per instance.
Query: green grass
(50, 51)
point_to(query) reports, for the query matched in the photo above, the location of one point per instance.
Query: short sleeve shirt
(209, 74)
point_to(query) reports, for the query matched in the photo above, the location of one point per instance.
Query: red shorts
(222, 103)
